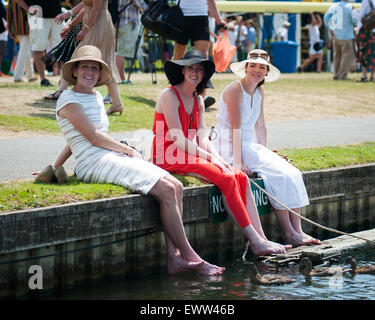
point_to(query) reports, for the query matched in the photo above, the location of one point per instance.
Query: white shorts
(312, 51)
(126, 40)
(42, 31)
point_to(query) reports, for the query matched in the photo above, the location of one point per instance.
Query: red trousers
(232, 186)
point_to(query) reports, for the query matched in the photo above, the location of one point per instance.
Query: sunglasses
(260, 55)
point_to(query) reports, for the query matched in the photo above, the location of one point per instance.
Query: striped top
(17, 20)
(85, 154)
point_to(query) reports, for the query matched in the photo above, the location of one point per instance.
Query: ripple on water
(234, 284)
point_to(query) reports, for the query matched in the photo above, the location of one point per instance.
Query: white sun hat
(256, 56)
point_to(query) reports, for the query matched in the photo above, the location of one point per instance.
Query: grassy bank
(18, 195)
(293, 97)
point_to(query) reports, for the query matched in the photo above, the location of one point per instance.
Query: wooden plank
(335, 247)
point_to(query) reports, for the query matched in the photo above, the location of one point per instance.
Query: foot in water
(177, 264)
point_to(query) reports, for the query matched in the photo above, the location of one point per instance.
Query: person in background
(181, 146)
(213, 35)
(251, 36)
(3, 36)
(316, 48)
(97, 30)
(126, 35)
(196, 29)
(282, 32)
(43, 30)
(127, 32)
(241, 140)
(240, 32)
(18, 28)
(366, 43)
(342, 38)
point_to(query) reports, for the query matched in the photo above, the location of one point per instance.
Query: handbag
(64, 50)
(223, 52)
(318, 45)
(165, 20)
(368, 21)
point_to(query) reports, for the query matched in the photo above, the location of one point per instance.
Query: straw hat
(90, 53)
(256, 56)
(173, 68)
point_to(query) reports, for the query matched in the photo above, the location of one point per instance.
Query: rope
(303, 218)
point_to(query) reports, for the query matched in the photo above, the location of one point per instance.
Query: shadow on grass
(48, 116)
(43, 104)
(149, 102)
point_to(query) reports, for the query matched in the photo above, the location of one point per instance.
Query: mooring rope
(303, 218)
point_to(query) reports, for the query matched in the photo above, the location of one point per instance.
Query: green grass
(330, 157)
(140, 99)
(18, 195)
(29, 123)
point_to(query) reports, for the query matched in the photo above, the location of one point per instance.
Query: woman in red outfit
(181, 146)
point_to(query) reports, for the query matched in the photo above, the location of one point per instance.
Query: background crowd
(351, 47)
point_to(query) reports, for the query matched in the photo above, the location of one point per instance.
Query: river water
(234, 284)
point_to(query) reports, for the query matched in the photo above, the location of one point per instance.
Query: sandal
(60, 175)
(47, 175)
(54, 95)
(113, 109)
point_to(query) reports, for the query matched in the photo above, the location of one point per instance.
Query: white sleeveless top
(194, 7)
(84, 152)
(94, 164)
(314, 33)
(250, 110)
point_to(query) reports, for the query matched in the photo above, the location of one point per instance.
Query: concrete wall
(122, 237)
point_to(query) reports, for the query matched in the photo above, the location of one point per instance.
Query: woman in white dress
(83, 120)
(242, 138)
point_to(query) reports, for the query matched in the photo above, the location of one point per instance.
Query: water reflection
(234, 284)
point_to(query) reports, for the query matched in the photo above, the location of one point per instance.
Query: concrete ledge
(21, 230)
(122, 236)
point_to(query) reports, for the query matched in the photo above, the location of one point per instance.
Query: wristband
(86, 26)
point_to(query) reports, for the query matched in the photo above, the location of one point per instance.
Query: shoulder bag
(165, 20)
(368, 20)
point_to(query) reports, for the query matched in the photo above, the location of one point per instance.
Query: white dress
(282, 180)
(94, 164)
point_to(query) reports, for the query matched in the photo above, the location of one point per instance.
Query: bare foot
(302, 239)
(208, 269)
(267, 247)
(177, 265)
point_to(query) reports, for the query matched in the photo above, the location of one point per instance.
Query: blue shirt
(339, 20)
(251, 35)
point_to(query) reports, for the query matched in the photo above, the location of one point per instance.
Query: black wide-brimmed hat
(173, 68)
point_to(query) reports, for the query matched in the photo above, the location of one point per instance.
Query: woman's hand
(246, 169)
(60, 18)
(284, 156)
(225, 167)
(136, 154)
(82, 34)
(131, 152)
(65, 31)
